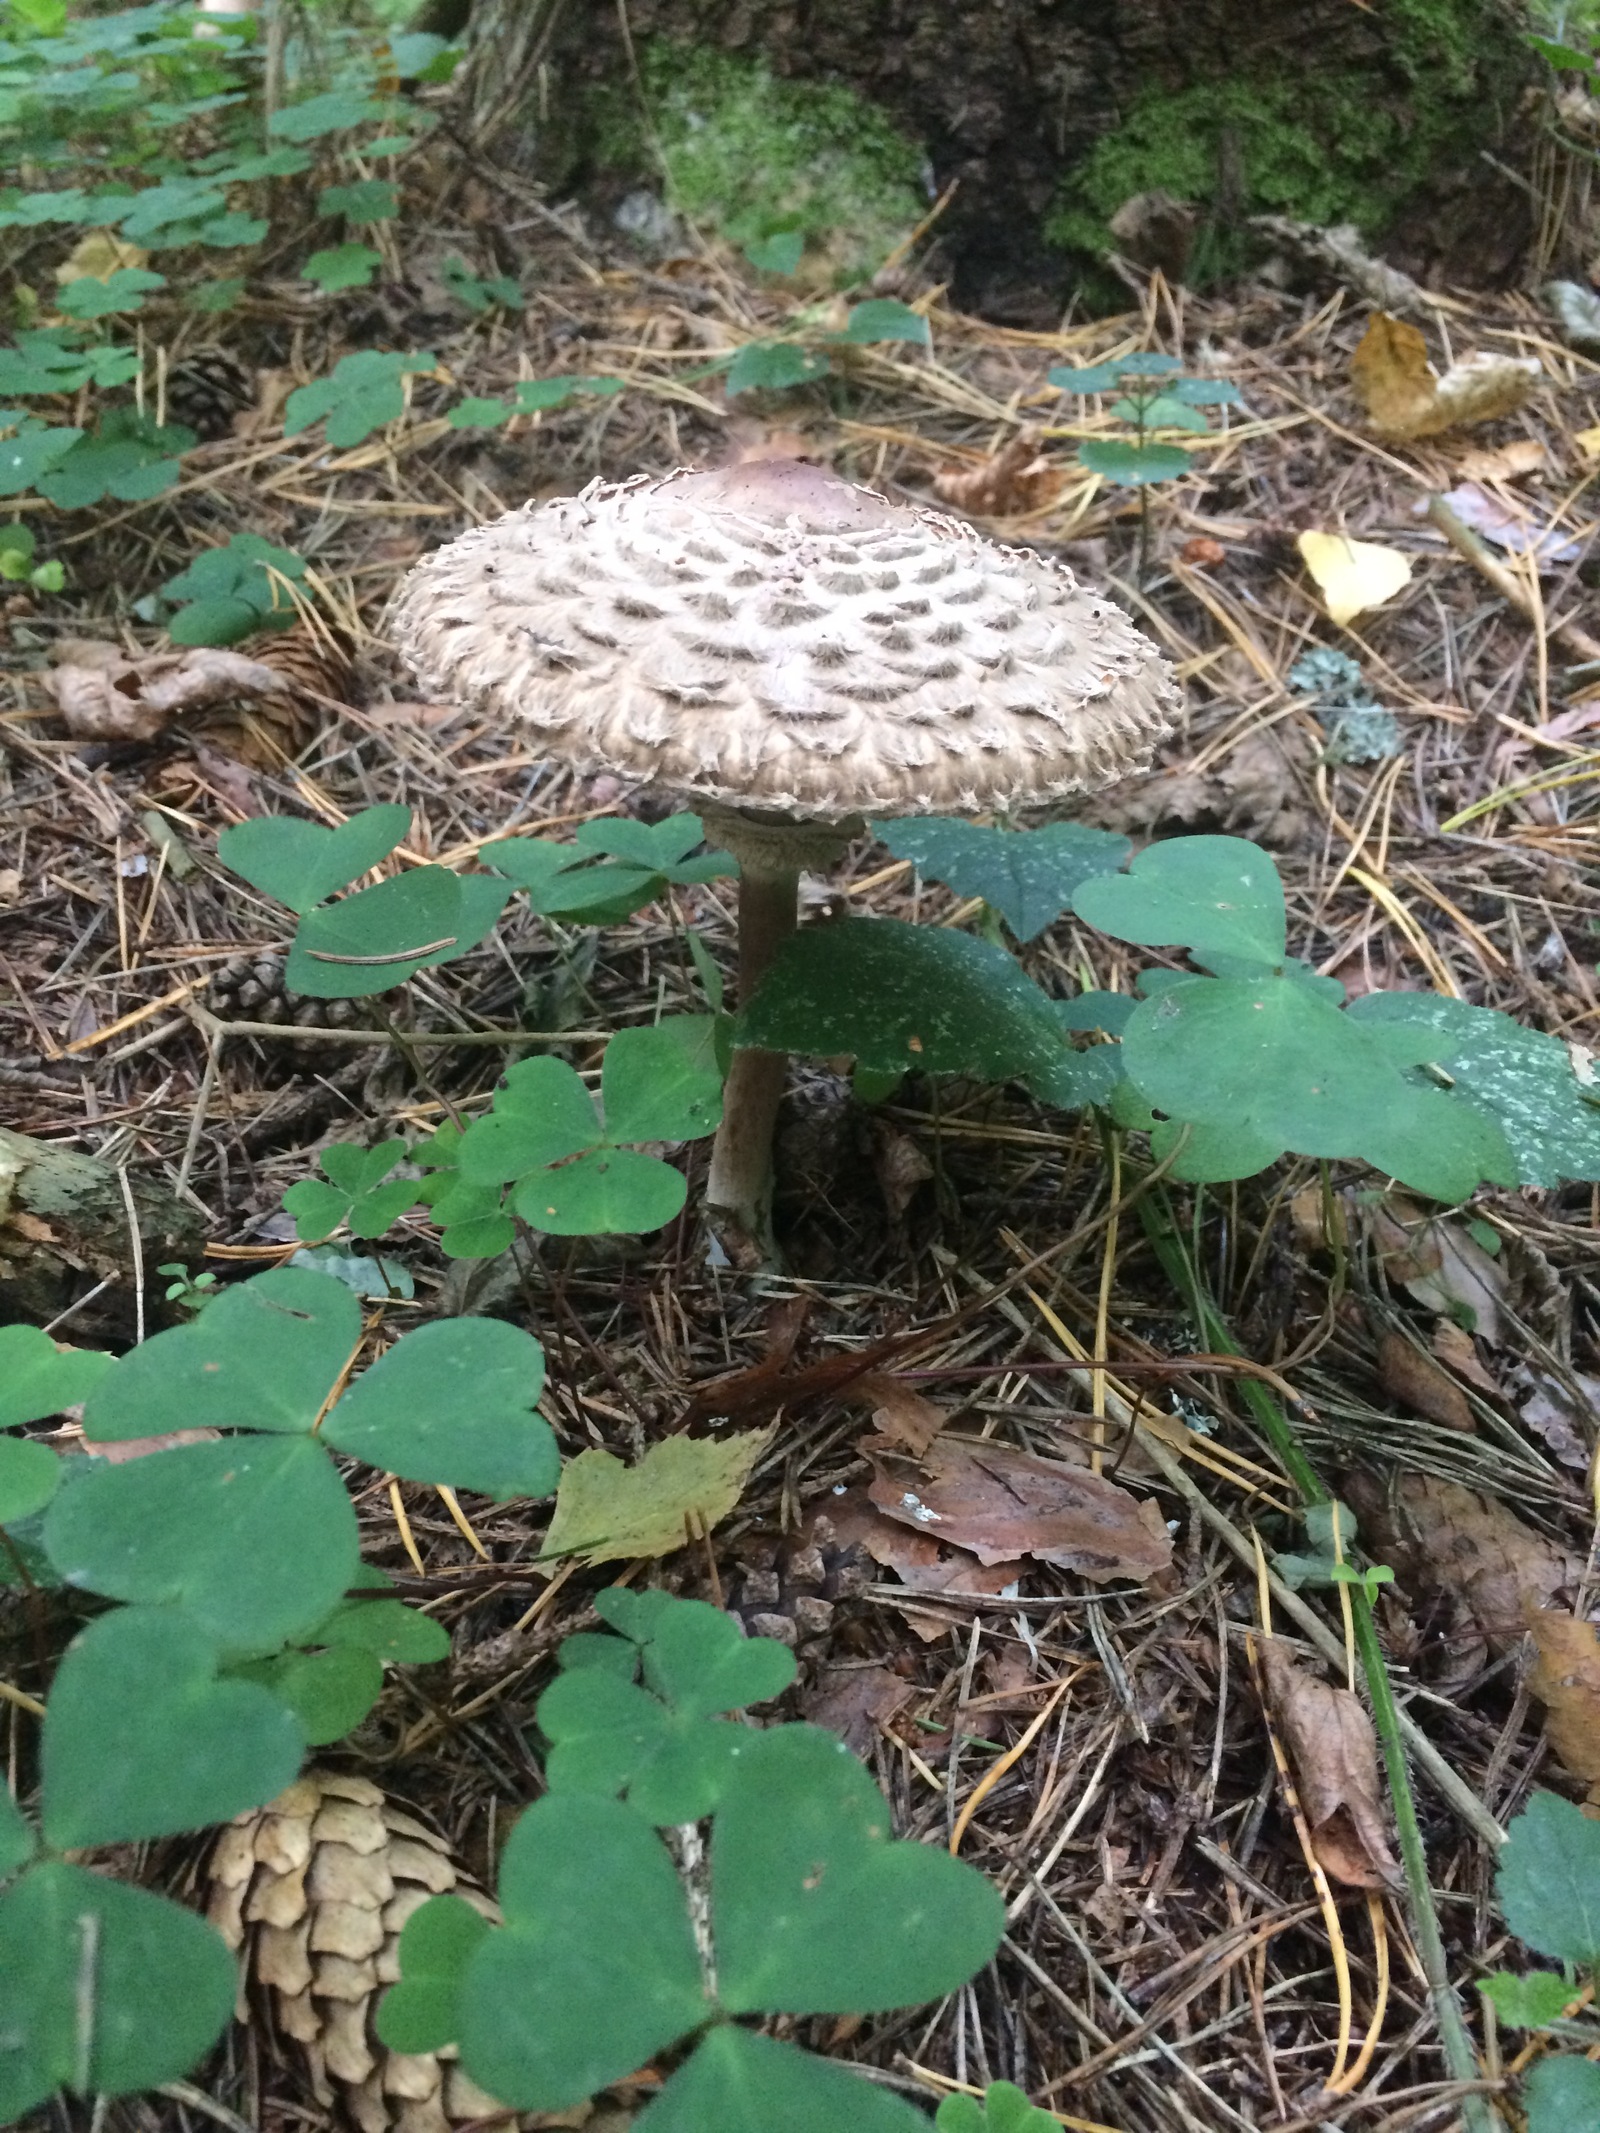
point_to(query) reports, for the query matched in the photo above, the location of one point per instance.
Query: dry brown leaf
(98, 256)
(907, 1418)
(1405, 396)
(1565, 1422)
(901, 1167)
(1154, 229)
(1439, 1263)
(1016, 479)
(1333, 1753)
(103, 695)
(1455, 1348)
(1566, 1680)
(921, 1563)
(856, 1702)
(1472, 1549)
(1417, 1382)
(1503, 462)
(1002, 1503)
(1203, 552)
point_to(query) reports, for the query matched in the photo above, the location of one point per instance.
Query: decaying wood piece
(64, 1228)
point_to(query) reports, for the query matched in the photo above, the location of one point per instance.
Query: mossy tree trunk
(1050, 113)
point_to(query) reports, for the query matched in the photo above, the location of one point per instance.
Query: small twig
(136, 1250)
(1467, 545)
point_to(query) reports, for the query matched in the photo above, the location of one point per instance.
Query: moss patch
(1325, 147)
(752, 156)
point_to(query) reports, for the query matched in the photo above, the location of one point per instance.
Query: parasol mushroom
(793, 652)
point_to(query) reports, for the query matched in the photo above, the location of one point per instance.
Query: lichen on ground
(1324, 147)
(750, 156)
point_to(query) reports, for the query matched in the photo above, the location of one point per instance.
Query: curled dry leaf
(920, 1561)
(1438, 1262)
(1503, 462)
(1405, 396)
(901, 1167)
(1566, 1680)
(1333, 1753)
(1016, 479)
(856, 1702)
(1417, 1382)
(1456, 1349)
(1565, 1420)
(1469, 1549)
(1002, 1503)
(105, 696)
(901, 1415)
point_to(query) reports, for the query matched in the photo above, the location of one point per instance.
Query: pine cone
(316, 661)
(313, 1890)
(207, 389)
(789, 1585)
(250, 988)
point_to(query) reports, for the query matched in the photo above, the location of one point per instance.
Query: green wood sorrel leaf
(773, 366)
(128, 458)
(17, 1840)
(1532, 2001)
(561, 883)
(423, 2012)
(385, 1627)
(365, 391)
(254, 1536)
(1548, 1880)
(141, 1739)
(1260, 1066)
(357, 1194)
(662, 1082)
(1563, 2095)
(542, 1114)
(1004, 2109)
(661, 1744)
(605, 1192)
(342, 266)
(1028, 876)
(739, 2082)
(814, 1909)
(1211, 894)
(1523, 1079)
(379, 937)
(884, 318)
(301, 863)
(30, 1474)
(453, 1402)
(164, 1986)
(264, 1355)
(1129, 465)
(595, 1969)
(328, 1692)
(38, 1379)
(900, 997)
(659, 847)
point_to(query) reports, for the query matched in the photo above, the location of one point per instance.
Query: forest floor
(1167, 1962)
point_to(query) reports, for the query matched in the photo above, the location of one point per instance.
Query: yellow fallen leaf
(1353, 575)
(1588, 443)
(606, 1511)
(1404, 395)
(97, 257)
(1504, 462)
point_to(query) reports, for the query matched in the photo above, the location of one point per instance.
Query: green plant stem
(1179, 1263)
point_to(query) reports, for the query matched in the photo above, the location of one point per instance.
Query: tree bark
(1011, 98)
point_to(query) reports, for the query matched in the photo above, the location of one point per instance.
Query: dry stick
(1467, 544)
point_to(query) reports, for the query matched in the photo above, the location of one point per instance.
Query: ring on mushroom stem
(794, 653)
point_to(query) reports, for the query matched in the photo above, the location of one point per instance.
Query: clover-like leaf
(662, 1083)
(38, 1379)
(1526, 1081)
(741, 2082)
(900, 998)
(454, 1402)
(814, 1909)
(603, 1192)
(1530, 2001)
(885, 318)
(1563, 2095)
(1028, 876)
(1548, 1879)
(301, 863)
(365, 391)
(342, 266)
(773, 366)
(141, 1739)
(1214, 894)
(437, 1942)
(163, 1981)
(30, 1474)
(542, 1114)
(327, 1692)
(264, 1355)
(381, 936)
(254, 1536)
(1130, 465)
(595, 1969)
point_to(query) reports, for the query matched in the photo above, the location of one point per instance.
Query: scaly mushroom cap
(770, 636)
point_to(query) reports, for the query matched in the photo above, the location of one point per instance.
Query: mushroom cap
(770, 636)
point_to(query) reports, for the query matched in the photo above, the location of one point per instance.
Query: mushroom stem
(739, 1188)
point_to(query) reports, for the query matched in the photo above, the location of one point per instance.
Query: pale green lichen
(749, 156)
